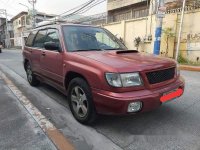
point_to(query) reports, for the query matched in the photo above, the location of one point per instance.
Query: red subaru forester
(97, 72)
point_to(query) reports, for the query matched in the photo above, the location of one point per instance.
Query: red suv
(97, 72)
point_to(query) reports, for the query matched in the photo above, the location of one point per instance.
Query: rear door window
(30, 39)
(40, 39)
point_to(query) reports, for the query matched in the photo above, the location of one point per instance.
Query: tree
(168, 33)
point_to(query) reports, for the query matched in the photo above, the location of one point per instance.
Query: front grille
(160, 76)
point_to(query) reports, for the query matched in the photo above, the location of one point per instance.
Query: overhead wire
(86, 8)
(76, 11)
(77, 7)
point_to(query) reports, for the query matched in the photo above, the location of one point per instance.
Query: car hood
(125, 61)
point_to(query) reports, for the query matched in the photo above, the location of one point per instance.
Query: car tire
(33, 81)
(0, 50)
(81, 101)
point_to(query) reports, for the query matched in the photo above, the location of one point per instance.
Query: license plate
(171, 95)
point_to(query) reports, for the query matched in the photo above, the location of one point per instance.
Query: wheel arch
(25, 63)
(70, 76)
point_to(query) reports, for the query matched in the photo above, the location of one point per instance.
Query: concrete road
(175, 125)
(18, 129)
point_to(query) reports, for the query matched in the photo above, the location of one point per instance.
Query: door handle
(43, 54)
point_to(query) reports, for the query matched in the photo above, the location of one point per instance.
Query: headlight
(114, 79)
(124, 80)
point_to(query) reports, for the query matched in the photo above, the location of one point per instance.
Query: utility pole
(180, 30)
(33, 2)
(7, 35)
(7, 32)
(159, 20)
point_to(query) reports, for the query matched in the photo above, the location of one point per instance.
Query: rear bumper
(117, 103)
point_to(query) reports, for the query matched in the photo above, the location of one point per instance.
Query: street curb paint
(48, 128)
(189, 68)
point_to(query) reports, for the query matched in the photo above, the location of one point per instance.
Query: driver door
(51, 60)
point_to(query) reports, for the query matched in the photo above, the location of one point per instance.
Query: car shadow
(153, 122)
(171, 122)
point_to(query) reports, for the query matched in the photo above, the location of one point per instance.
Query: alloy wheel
(79, 102)
(29, 73)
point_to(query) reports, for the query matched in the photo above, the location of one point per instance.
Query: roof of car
(56, 24)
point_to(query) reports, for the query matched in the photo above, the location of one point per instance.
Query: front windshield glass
(83, 38)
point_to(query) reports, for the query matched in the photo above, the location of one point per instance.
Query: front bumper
(117, 103)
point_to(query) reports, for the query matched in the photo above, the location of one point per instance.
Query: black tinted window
(30, 39)
(40, 39)
(52, 36)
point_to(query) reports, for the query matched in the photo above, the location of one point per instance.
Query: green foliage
(168, 33)
(185, 61)
(182, 60)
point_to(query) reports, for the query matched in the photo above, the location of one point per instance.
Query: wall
(143, 27)
(116, 28)
(114, 4)
(190, 41)
(130, 29)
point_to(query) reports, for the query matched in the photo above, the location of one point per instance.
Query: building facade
(6, 35)
(22, 23)
(119, 10)
(2, 21)
(144, 27)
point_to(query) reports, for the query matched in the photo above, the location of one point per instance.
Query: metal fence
(187, 8)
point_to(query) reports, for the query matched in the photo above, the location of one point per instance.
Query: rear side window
(40, 39)
(30, 39)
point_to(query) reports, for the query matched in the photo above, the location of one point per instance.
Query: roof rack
(50, 22)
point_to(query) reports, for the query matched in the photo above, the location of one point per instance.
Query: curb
(189, 68)
(59, 140)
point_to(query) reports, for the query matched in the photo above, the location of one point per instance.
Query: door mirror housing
(52, 46)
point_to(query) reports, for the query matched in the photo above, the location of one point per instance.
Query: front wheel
(0, 50)
(81, 102)
(33, 81)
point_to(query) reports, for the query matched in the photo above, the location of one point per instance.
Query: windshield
(83, 38)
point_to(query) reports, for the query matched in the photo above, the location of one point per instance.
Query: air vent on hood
(126, 51)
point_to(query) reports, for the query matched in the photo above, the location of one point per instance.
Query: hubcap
(79, 101)
(29, 73)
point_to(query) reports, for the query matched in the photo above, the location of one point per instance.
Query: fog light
(134, 107)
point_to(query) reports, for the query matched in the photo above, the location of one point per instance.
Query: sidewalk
(18, 129)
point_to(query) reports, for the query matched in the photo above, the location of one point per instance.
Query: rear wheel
(33, 81)
(81, 102)
(0, 50)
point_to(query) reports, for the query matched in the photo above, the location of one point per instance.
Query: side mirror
(52, 46)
